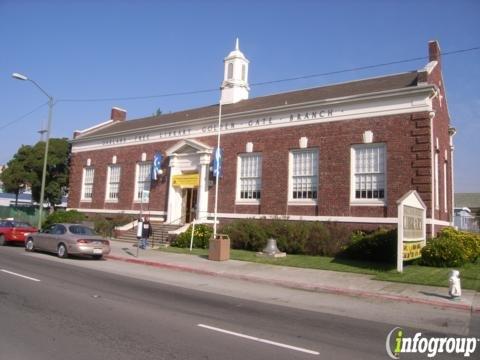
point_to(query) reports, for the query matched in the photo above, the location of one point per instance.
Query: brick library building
(342, 153)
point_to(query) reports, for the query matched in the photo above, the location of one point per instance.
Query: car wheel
(62, 251)
(97, 257)
(2, 240)
(29, 245)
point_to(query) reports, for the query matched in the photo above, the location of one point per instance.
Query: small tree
(14, 178)
(17, 175)
(26, 168)
(56, 180)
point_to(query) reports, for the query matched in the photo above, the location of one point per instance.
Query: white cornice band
(340, 109)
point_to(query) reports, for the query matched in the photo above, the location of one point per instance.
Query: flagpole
(217, 164)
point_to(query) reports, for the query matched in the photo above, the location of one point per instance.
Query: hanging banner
(218, 162)
(156, 165)
(186, 181)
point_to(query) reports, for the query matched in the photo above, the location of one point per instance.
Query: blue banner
(218, 162)
(156, 165)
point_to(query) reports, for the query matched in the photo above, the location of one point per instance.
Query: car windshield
(19, 224)
(81, 230)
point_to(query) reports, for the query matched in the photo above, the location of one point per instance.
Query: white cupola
(235, 79)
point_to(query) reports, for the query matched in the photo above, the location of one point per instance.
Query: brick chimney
(433, 51)
(118, 114)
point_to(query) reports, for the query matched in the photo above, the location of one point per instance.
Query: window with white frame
(113, 184)
(143, 179)
(368, 173)
(87, 186)
(304, 175)
(249, 177)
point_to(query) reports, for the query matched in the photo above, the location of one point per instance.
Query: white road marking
(312, 352)
(22, 276)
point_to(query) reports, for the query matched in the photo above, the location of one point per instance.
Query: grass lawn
(414, 274)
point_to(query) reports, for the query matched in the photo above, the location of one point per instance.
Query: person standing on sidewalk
(146, 232)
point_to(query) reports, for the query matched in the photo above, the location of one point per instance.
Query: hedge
(451, 248)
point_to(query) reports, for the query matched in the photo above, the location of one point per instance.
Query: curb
(300, 286)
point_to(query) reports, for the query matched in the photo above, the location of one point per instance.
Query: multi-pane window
(143, 178)
(87, 187)
(250, 177)
(369, 172)
(113, 186)
(304, 175)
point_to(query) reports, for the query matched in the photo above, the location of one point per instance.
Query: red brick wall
(408, 166)
(441, 124)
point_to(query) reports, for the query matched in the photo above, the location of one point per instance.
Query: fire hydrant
(455, 288)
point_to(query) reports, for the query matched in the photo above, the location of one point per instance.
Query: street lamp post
(45, 157)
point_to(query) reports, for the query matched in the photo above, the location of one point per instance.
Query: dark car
(14, 232)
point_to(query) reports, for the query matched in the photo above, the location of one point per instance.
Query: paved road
(62, 311)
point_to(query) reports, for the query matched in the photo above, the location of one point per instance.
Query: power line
(194, 92)
(23, 116)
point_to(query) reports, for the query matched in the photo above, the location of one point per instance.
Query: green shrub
(380, 246)
(201, 237)
(62, 216)
(451, 248)
(444, 252)
(293, 237)
(246, 234)
(470, 241)
(105, 226)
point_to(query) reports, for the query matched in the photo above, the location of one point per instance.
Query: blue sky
(113, 49)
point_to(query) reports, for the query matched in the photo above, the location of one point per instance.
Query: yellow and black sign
(412, 249)
(186, 181)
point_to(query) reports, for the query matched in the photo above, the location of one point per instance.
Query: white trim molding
(403, 101)
(113, 211)
(345, 219)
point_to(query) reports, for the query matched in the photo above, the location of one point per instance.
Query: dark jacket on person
(147, 230)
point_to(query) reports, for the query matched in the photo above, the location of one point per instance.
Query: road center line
(22, 276)
(312, 352)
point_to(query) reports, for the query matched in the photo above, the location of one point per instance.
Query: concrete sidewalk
(349, 284)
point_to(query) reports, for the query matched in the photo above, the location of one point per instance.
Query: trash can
(219, 248)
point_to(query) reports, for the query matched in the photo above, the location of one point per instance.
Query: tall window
(368, 167)
(230, 71)
(143, 179)
(113, 185)
(87, 186)
(304, 170)
(244, 71)
(249, 177)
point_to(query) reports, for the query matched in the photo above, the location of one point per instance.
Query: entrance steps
(159, 236)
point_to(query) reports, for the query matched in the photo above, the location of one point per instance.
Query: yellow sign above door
(186, 181)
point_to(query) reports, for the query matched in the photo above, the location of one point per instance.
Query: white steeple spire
(235, 81)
